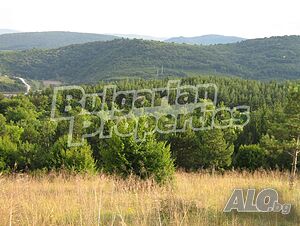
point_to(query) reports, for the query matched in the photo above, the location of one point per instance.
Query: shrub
(148, 159)
(250, 157)
(204, 149)
(72, 158)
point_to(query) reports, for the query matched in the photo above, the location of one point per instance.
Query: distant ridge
(136, 36)
(206, 39)
(48, 40)
(7, 31)
(263, 59)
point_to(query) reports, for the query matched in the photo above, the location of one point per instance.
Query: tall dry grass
(192, 199)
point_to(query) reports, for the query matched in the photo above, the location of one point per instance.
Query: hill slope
(47, 40)
(269, 58)
(11, 85)
(206, 39)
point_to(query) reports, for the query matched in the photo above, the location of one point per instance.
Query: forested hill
(47, 40)
(269, 58)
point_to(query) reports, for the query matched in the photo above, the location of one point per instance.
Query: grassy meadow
(191, 199)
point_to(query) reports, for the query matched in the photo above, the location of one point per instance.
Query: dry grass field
(192, 199)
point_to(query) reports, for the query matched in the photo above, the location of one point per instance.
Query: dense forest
(30, 141)
(263, 59)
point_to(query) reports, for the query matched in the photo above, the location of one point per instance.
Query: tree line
(30, 141)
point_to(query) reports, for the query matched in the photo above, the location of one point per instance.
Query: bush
(72, 158)
(148, 159)
(278, 156)
(250, 157)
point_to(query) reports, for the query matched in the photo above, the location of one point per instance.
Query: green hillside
(11, 85)
(263, 59)
(48, 40)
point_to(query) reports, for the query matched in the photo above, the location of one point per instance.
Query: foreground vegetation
(192, 199)
(30, 141)
(139, 185)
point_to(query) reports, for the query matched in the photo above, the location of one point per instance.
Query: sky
(160, 18)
